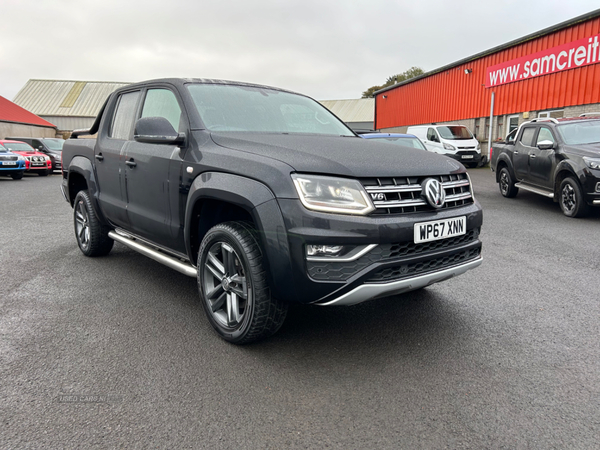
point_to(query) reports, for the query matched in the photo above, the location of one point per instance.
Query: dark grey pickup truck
(556, 158)
(266, 198)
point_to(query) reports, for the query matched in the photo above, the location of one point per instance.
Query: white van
(455, 141)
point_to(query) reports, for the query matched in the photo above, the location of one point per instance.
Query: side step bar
(535, 189)
(169, 261)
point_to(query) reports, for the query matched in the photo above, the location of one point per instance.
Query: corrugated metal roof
(65, 97)
(358, 110)
(10, 112)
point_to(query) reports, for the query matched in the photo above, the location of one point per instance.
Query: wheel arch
(81, 176)
(565, 169)
(504, 161)
(217, 197)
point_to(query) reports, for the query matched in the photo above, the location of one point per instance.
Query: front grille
(403, 195)
(408, 270)
(341, 271)
(466, 148)
(9, 158)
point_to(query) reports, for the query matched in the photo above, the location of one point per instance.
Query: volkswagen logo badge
(434, 192)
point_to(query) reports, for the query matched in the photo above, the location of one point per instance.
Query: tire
(17, 176)
(507, 184)
(571, 199)
(92, 236)
(233, 285)
(43, 173)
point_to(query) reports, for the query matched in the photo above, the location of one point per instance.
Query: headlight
(20, 158)
(336, 195)
(449, 147)
(592, 163)
(478, 148)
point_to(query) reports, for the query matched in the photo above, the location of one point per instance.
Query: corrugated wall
(454, 95)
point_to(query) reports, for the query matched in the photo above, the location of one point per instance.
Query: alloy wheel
(225, 287)
(568, 198)
(82, 224)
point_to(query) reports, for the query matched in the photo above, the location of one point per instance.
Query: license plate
(37, 164)
(9, 163)
(467, 156)
(440, 229)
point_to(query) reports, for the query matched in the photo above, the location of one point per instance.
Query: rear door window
(122, 123)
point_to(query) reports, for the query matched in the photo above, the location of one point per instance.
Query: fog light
(323, 250)
(597, 187)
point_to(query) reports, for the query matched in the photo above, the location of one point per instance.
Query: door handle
(131, 163)
(99, 157)
(532, 156)
(515, 152)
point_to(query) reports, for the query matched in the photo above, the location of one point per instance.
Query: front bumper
(466, 157)
(395, 265)
(373, 291)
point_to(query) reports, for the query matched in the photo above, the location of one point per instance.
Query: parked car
(52, 147)
(36, 162)
(556, 158)
(454, 141)
(265, 198)
(406, 140)
(11, 164)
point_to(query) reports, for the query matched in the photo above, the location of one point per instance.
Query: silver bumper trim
(375, 290)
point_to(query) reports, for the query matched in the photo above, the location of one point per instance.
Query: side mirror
(157, 130)
(545, 145)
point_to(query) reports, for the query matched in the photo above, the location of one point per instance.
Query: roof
(358, 110)
(568, 23)
(65, 97)
(10, 112)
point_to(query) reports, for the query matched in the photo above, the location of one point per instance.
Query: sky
(328, 50)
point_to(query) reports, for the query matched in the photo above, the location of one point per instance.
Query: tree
(406, 75)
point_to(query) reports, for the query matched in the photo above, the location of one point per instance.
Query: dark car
(11, 164)
(265, 198)
(52, 147)
(556, 158)
(406, 140)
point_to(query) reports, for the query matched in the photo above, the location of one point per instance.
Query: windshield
(19, 146)
(2, 148)
(405, 141)
(456, 132)
(244, 108)
(577, 133)
(54, 144)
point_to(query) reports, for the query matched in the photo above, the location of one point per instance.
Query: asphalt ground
(116, 352)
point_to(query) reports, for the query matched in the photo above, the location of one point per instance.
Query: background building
(358, 114)
(17, 121)
(70, 105)
(552, 73)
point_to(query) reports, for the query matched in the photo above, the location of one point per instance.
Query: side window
(432, 135)
(510, 139)
(124, 117)
(527, 136)
(544, 135)
(162, 103)
(36, 144)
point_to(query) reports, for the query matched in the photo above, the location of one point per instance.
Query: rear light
(62, 168)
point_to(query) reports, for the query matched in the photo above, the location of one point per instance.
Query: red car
(35, 162)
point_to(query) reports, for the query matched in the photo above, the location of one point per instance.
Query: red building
(552, 73)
